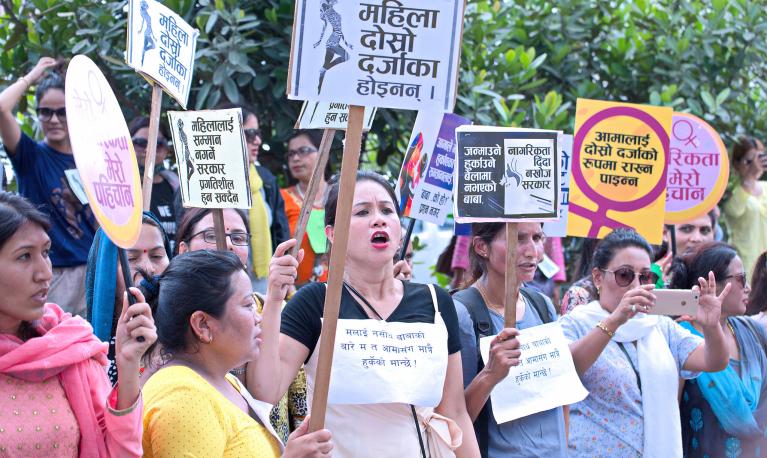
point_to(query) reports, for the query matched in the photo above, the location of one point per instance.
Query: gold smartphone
(676, 302)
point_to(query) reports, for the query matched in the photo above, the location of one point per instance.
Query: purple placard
(440, 171)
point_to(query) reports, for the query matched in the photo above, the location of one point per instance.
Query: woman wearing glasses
(746, 207)
(301, 158)
(40, 172)
(165, 181)
(631, 361)
(725, 413)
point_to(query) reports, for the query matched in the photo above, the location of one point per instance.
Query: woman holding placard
(401, 328)
(481, 313)
(630, 361)
(746, 207)
(56, 397)
(725, 412)
(207, 326)
(302, 157)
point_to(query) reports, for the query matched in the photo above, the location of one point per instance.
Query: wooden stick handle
(349, 165)
(512, 289)
(218, 227)
(151, 147)
(314, 186)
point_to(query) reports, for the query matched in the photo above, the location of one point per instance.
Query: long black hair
(15, 211)
(331, 199)
(708, 257)
(195, 281)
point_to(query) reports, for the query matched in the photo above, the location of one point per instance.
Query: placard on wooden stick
(409, 64)
(330, 115)
(507, 175)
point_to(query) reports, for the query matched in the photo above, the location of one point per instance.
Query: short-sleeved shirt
(41, 178)
(540, 434)
(610, 421)
(301, 318)
(184, 415)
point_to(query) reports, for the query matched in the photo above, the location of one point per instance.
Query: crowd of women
(200, 365)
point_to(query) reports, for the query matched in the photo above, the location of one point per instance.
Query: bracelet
(25, 80)
(239, 371)
(601, 325)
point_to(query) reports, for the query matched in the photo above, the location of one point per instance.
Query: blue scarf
(734, 398)
(100, 285)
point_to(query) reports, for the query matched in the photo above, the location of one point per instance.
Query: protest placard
(330, 115)
(425, 184)
(103, 152)
(620, 158)
(698, 169)
(544, 379)
(212, 158)
(506, 174)
(383, 53)
(161, 46)
(558, 228)
(378, 362)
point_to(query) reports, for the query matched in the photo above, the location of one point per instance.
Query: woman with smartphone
(724, 413)
(746, 207)
(630, 360)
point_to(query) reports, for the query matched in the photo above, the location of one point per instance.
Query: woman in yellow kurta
(207, 325)
(746, 208)
(301, 158)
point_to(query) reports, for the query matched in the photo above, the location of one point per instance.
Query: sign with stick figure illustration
(384, 53)
(507, 174)
(161, 46)
(698, 169)
(620, 159)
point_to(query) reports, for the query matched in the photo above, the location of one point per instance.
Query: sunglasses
(237, 238)
(301, 152)
(251, 134)
(741, 277)
(141, 142)
(45, 113)
(625, 276)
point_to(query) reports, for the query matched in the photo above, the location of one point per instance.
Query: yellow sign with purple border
(103, 152)
(620, 159)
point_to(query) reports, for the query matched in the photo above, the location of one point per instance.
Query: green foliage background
(523, 63)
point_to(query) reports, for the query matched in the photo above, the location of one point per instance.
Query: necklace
(489, 305)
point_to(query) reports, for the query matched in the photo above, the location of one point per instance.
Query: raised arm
(269, 376)
(10, 132)
(712, 355)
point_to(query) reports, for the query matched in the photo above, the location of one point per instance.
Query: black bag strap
(480, 317)
(539, 303)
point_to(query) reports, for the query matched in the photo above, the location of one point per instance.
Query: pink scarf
(65, 349)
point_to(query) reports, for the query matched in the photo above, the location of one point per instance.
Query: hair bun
(679, 273)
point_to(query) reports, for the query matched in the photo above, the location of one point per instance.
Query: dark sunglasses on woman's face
(625, 276)
(251, 134)
(141, 142)
(45, 113)
(741, 278)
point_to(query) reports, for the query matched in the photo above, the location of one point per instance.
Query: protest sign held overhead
(330, 115)
(212, 158)
(383, 53)
(620, 158)
(544, 379)
(103, 151)
(379, 362)
(558, 228)
(698, 169)
(507, 174)
(425, 184)
(161, 46)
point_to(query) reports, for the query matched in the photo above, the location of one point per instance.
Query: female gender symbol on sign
(604, 203)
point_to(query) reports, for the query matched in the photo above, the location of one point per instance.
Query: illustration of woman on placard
(146, 20)
(187, 155)
(334, 53)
